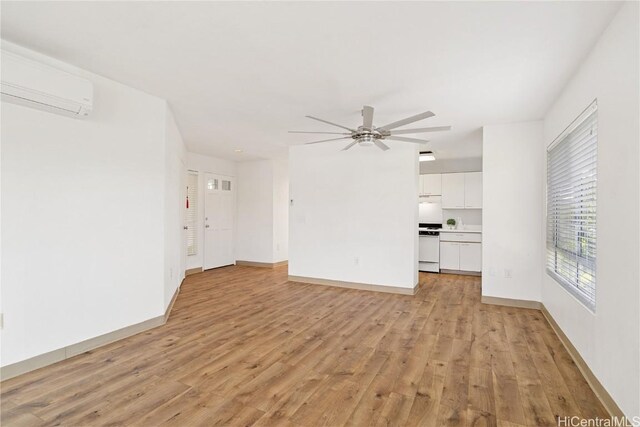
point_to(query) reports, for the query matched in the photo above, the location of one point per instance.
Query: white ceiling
(239, 75)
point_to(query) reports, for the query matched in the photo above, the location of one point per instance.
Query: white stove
(429, 247)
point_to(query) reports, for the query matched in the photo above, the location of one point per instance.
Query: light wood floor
(245, 347)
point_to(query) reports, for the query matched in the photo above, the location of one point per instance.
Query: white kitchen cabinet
(453, 191)
(460, 236)
(462, 190)
(431, 184)
(473, 190)
(460, 256)
(470, 257)
(450, 255)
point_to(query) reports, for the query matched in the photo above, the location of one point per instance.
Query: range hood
(430, 199)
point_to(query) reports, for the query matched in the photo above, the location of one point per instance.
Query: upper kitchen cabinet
(431, 184)
(473, 190)
(462, 190)
(453, 191)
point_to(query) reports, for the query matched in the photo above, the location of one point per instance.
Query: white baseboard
(262, 264)
(354, 285)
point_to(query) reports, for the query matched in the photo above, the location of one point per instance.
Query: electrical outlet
(356, 261)
(507, 273)
(1, 320)
(171, 273)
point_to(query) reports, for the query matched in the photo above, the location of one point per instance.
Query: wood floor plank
(283, 409)
(331, 400)
(244, 346)
(451, 416)
(481, 402)
(395, 411)
(537, 411)
(424, 409)
(370, 405)
(564, 401)
(413, 366)
(21, 419)
(507, 399)
(134, 404)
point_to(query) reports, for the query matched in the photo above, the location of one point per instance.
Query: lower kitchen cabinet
(450, 255)
(471, 256)
(461, 256)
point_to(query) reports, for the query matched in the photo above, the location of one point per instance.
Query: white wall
(254, 241)
(511, 228)
(354, 216)
(174, 208)
(609, 340)
(203, 164)
(280, 210)
(263, 211)
(82, 218)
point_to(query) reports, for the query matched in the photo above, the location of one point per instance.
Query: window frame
(583, 236)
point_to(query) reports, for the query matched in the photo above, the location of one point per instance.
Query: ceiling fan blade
(405, 139)
(420, 130)
(350, 145)
(367, 117)
(327, 140)
(329, 123)
(408, 120)
(381, 145)
(329, 133)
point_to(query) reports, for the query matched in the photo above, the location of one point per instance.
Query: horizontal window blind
(192, 213)
(571, 207)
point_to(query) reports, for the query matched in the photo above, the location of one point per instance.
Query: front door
(218, 221)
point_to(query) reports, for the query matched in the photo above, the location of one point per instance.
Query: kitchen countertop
(446, 230)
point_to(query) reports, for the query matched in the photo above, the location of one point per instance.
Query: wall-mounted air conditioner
(41, 86)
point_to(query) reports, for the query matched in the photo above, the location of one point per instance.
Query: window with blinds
(571, 207)
(192, 213)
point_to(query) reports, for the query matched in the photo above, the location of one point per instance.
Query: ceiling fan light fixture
(366, 140)
(427, 156)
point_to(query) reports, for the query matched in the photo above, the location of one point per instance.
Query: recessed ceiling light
(238, 150)
(427, 156)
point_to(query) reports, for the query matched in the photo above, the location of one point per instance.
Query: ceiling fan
(368, 134)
